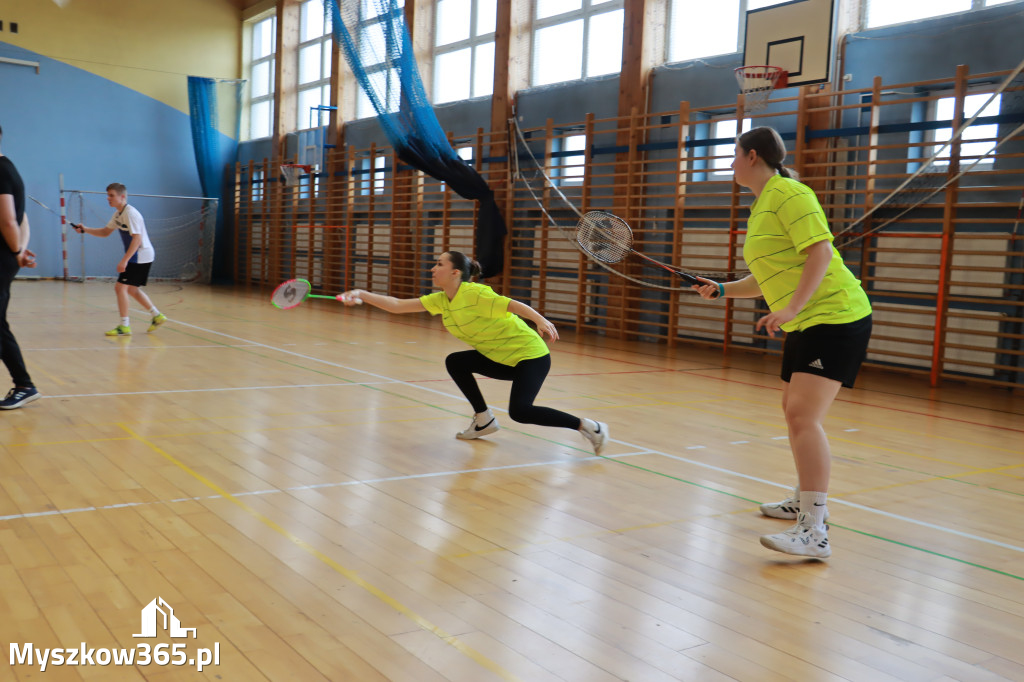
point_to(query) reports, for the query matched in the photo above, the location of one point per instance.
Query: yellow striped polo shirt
(784, 220)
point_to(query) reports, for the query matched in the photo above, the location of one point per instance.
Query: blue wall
(65, 120)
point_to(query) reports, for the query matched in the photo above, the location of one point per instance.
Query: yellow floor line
(347, 573)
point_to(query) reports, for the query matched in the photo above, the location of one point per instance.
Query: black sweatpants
(527, 377)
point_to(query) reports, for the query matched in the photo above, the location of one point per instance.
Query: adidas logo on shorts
(816, 364)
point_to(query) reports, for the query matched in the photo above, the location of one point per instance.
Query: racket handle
(689, 279)
(345, 299)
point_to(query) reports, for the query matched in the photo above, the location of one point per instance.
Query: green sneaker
(157, 321)
(120, 330)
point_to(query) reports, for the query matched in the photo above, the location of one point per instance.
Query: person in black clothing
(14, 255)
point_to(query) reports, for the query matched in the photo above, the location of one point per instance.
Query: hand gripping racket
(607, 238)
(292, 293)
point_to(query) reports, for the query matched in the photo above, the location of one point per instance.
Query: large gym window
(314, 73)
(261, 41)
(371, 42)
(698, 28)
(976, 140)
(372, 171)
(886, 12)
(575, 39)
(464, 49)
(724, 153)
(570, 164)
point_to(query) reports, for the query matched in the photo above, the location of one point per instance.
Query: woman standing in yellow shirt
(824, 310)
(504, 346)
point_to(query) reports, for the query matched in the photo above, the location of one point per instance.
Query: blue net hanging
(373, 37)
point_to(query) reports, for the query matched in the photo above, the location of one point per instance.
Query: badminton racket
(607, 238)
(292, 293)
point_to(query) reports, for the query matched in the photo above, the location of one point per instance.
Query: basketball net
(757, 84)
(293, 171)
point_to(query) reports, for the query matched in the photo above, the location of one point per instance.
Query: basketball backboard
(796, 36)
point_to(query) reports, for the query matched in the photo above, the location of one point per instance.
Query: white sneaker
(482, 424)
(803, 539)
(597, 435)
(788, 508)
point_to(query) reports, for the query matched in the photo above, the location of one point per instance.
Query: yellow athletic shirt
(784, 220)
(480, 317)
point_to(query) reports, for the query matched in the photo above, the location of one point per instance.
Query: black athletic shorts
(136, 274)
(833, 351)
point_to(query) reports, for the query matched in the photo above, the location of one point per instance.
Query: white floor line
(313, 358)
(119, 348)
(835, 500)
(321, 486)
(638, 448)
(211, 390)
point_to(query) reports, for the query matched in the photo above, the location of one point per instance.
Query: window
(464, 49)
(373, 40)
(968, 149)
(372, 175)
(886, 12)
(258, 185)
(262, 40)
(575, 39)
(726, 151)
(314, 73)
(571, 160)
(698, 28)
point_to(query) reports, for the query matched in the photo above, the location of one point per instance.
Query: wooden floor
(289, 484)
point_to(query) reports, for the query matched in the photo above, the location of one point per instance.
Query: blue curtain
(213, 152)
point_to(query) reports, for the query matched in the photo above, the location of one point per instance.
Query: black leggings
(9, 351)
(527, 377)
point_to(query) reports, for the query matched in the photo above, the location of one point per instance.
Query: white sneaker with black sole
(483, 423)
(803, 539)
(788, 508)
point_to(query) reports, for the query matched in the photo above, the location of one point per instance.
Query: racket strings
(291, 293)
(560, 211)
(607, 239)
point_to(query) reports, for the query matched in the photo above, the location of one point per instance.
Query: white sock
(153, 311)
(126, 321)
(588, 425)
(814, 504)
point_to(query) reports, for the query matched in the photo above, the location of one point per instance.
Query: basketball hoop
(758, 82)
(292, 172)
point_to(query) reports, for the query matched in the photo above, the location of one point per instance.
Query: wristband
(721, 290)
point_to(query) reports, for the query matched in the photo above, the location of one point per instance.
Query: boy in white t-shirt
(133, 269)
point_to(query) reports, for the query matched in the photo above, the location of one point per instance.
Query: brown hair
(460, 261)
(117, 187)
(769, 147)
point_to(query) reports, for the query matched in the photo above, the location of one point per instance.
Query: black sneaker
(17, 397)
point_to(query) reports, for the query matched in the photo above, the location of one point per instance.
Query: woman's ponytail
(469, 267)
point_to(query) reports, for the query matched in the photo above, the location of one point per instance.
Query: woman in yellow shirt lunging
(504, 346)
(824, 310)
